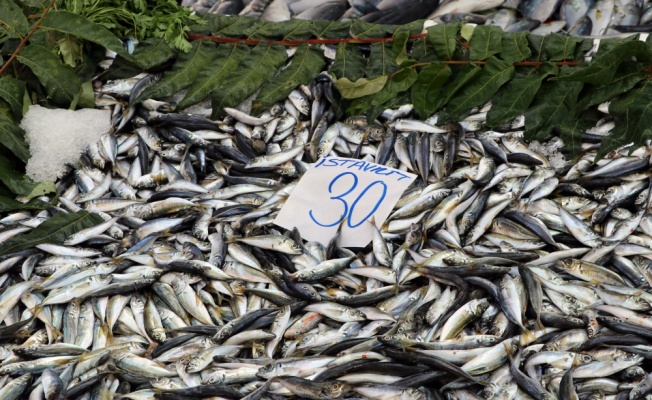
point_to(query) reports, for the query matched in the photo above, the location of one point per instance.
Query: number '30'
(349, 210)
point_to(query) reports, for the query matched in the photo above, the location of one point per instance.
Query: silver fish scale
(504, 263)
(541, 17)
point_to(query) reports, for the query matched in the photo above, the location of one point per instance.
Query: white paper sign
(343, 190)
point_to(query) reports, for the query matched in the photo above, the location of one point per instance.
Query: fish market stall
(337, 208)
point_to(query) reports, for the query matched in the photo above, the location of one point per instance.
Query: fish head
(305, 340)
(335, 389)
(355, 315)
(178, 285)
(375, 132)
(104, 278)
(632, 373)
(266, 372)
(161, 383)
(489, 341)
(630, 358)
(120, 355)
(193, 365)
(137, 303)
(214, 378)
(295, 247)
(158, 335)
(565, 265)
(581, 359)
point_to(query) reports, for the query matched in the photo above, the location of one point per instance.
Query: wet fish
(495, 275)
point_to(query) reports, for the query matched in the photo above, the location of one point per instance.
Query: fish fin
(36, 310)
(203, 207)
(509, 350)
(529, 336)
(540, 326)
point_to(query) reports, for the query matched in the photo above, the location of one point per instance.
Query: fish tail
(508, 349)
(529, 336)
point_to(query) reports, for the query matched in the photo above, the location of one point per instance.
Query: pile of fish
(503, 272)
(577, 17)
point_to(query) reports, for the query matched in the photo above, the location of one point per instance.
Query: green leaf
(59, 80)
(13, 23)
(331, 29)
(183, 73)
(152, 53)
(13, 138)
(553, 106)
(628, 75)
(374, 112)
(299, 31)
(274, 31)
(27, 101)
(224, 60)
(538, 46)
(422, 50)
(260, 65)
(515, 47)
(348, 63)
(604, 66)
(41, 189)
(494, 74)
(13, 91)
(361, 87)
(70, 50)
(633, 119)
(367, 30)
(465, 74)
(74, 24)
(121, 69)
(17, 182)
(397, 83)
(466, 32)
(54, 230)
(515, 98)
(9, 204)
(399, 45)
(40, 4)
(215, 23)
(87, 96)
(293, 29)
(561, 47)
(572, 131)
(426, 92)
(444, 37)
(512, 101)
(381, 61)
(485, 42)
(238, 26)
(305, 65)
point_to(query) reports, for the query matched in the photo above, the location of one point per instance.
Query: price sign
(343, 191)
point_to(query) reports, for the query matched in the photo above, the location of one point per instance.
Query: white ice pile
(57, 137)
(551, 150)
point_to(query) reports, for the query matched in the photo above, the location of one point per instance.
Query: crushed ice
(551, 150)
(57, 137)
